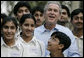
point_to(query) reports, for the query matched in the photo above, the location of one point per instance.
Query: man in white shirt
(77, 22)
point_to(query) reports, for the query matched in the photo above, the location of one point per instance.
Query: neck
(49, 26)
(57, 54)
(26, 39)
(9, 42)
(37, 26)
(77, 32)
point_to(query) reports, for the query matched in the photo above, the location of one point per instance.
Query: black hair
(8, 19)
(63, 38)
(21, 4)
(67, 9)
(3, 15)
(75, 12)
(37, 8)
(25, 16)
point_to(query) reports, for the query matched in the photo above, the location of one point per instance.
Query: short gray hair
(52, 2)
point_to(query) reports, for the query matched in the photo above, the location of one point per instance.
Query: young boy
(58, 43)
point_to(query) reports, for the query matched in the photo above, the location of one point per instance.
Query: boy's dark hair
(67, 9)
(75, 12)
(37, 8)
(63, 38)
(3, 15)
(25, 16)
(21, 4)
(8, 19)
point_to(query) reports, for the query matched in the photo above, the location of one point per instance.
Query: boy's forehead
(54, 36)
(22, 7)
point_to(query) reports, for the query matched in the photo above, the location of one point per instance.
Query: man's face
(78, 21)
(21, 11)
(52, 14)
(64, 16)
(39, 18)
(9, 30)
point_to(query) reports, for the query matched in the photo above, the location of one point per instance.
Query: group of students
(37, 33)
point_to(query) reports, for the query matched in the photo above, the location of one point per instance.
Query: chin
(28, 35)
(39, 24)
(52, 21)
(9, 38)
(48, 49)
(79, 26)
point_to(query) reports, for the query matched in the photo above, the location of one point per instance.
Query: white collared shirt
(13, 51)
(80, 45)
(33, 48)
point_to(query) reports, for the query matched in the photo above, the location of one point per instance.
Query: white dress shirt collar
(31, 41)
(80, 37)
(43, 29)
(17, 43)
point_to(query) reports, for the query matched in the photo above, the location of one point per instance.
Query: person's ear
(61, 46)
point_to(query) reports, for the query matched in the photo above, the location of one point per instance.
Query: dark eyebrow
(5, 26)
